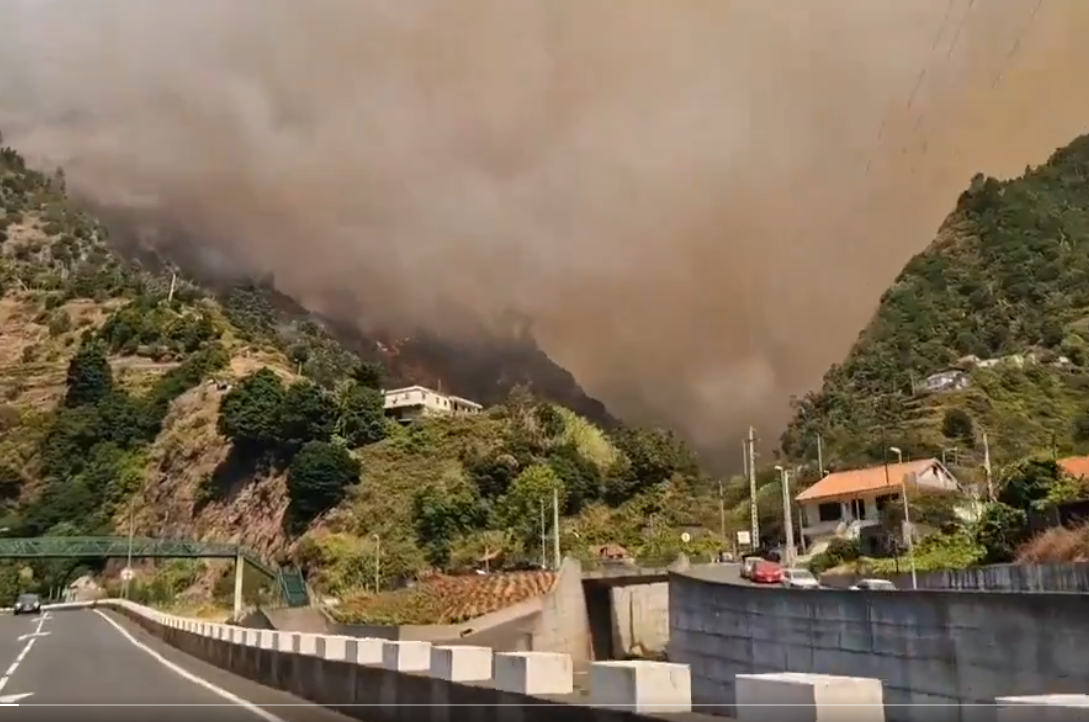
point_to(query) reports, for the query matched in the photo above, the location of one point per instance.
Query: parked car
(800, 579)
(765, 572)
(747, 565)
(874, 585)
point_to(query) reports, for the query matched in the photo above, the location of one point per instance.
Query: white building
(412, 402)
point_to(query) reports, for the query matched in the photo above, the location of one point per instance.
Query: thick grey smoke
(699, 201)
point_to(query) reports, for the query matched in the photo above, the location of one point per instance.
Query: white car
(800, 579)
(874, 585)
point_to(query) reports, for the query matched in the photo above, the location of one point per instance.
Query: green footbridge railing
(290, 580)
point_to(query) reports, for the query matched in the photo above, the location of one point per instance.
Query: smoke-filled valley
(698, 203)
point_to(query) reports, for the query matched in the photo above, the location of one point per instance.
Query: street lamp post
(907, 518)
(788, 517)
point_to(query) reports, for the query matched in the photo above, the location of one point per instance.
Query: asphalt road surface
(724, 574)
(96, 665)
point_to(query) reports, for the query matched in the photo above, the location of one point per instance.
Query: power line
(1021, 35)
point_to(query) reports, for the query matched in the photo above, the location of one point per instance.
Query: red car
(767, 573)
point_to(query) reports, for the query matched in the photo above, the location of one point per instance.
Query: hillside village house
(844, 503)
(412, 402)
(1076, 466)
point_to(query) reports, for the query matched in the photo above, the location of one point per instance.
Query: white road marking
(12, 700)
(33, 637)
(187, 675)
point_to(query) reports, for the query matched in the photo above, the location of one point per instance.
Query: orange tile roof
(857, 481)
(1075, 465)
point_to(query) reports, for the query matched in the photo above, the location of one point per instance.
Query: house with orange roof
(843, 503)
(1076, 466)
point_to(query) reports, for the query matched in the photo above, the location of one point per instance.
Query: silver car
(800, 579)
(27, 604)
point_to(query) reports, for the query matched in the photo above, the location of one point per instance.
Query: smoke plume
(698, 201)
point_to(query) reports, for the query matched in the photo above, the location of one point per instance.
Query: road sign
(127, 574)
(744, 538)
(686, 537)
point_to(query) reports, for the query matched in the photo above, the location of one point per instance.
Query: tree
(307, 414)
(1001, 530)
(440, 516)
(1024, 484)
(580, 476)
(655, 455)
(369, 374)
(318, 477)
(250, 414)
(89, 376)
(957, 424)
(362, 415)
(1081, 427)
(519, 510)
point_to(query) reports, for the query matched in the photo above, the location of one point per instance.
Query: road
(113, 670)
(723, 574)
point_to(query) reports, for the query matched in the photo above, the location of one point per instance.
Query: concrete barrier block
(365, 650)
(808, 697)
(407, 656)
(333, 646)
(306, 643)
(534, 673)
(1043, 708)
(252, 638)
(462, 664)
(237, 635)
(285, 642)
(266, 639)
(641, 687)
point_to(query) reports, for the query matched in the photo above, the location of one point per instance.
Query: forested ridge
(1006, 281)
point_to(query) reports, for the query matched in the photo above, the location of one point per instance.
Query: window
(884, 501)
(858, 509)
(831, 511)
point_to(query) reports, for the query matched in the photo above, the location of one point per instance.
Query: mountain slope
(1006, 281)
(135, 399)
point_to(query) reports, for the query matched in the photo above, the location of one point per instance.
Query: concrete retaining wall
(554, 622)
(640, 618)
(927, 647)
(1070, 577)
(331, 671)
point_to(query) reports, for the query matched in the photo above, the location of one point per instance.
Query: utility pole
(127, 576)
(820, 455)
(788, 517)
(721, 514)
(754, 515)
(377, 563)
(544, 539)
(907, 515)
(173, 286)
(556, 527)
(987, 467)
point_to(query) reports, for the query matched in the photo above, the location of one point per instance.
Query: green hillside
(1006, 278)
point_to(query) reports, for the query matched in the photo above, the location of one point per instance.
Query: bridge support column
(239, 569)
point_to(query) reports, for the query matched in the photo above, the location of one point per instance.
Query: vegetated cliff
(1005, 283)
(132, 396)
